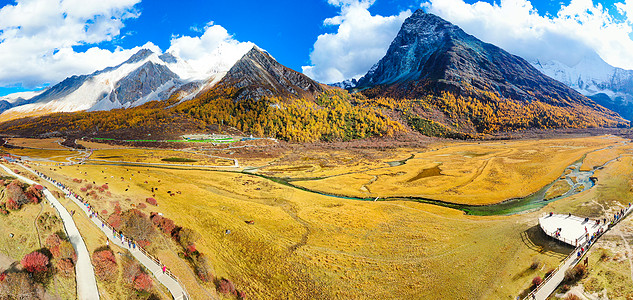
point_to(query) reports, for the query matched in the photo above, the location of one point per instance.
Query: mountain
(473, 83)
(258, 75)
(257, 95)
(144, 77)
(608, 86)
(128, 84)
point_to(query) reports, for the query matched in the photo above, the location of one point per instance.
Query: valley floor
(266, 224)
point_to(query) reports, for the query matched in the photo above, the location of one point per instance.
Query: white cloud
(37, 36)
(361, 41)
(577, 30)
(213, 52)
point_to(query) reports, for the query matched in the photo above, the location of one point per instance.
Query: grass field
(304, 245)
(50, 143)
(159, 156)
(477, 174)
(307, 246)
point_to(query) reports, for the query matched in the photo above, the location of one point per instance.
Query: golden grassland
(483, 173)
(601, 157)
(29, 236)
(157, 156)
(307, 246)
(56, 156)
(558, 189)
(49, 143)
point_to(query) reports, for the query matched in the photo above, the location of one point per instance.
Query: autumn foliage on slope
(331, 117)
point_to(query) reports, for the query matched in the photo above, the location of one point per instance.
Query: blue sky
(329, 40)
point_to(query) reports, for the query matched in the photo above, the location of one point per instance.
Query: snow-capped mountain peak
(611, 87)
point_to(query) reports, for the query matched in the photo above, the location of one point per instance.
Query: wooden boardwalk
(84, 272)
(170, 281)
(569, 225)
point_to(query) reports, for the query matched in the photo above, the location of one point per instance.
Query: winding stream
(578, 180)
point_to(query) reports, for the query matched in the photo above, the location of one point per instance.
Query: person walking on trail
(164, 269)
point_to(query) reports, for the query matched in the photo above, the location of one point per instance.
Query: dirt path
(86, 282)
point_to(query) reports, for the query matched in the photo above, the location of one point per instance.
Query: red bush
(166, 225)
(191, 248)
(115, 221)
(35, 262)
(14, 191)
(143, 243)
(52, 243)
(226, 287)
(3, 276)
(83, 189)
(12, 205)
(536, 281)
(141, 205)
(88, 186)
(151, 201)
(104, 212)
(117, 209)
(142, 282)
(105, 186)
(104, 264)
(65, 267)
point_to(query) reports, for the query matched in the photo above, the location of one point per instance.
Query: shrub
(142, 282)
(576, 273)
(571, 296)
(104, 212)
(104, 264)
(105, 186)
(226, 287)
(141, 205)
(549, 272)
(14, 191)
(115, 221)
(241, 295)
(166, 225)
(535, 264)
(536, 281)
(11, 204)
(137, 225)
(88, 186)
(83, 189)
(67, 251)
(203, 269)
(52, 243)
(65, 267)
(151, 201)
(35, 262)
(18, 283)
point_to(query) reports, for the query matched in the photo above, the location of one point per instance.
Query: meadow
(288, 243)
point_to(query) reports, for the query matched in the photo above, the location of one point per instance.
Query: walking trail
(552, 282)
(85, 275)
(152, 264)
